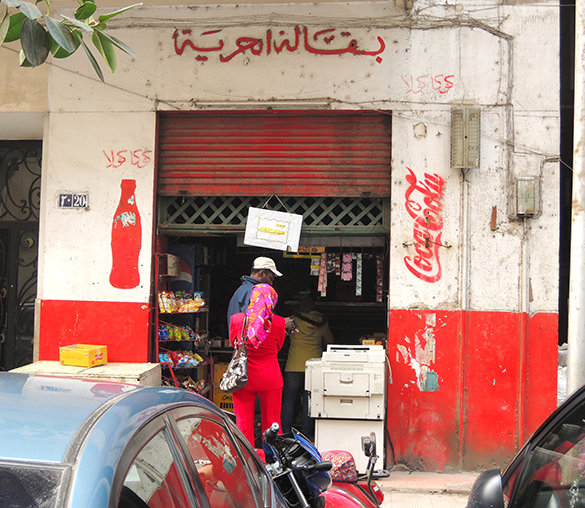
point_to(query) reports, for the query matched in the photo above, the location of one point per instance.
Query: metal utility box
(348, 382)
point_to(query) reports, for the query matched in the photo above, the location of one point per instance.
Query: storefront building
(420, 140)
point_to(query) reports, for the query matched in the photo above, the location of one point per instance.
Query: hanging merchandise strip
(347, 267)
(330, 262)
(322, 286)
(358, 275)
(338, 264)
(379, 277)
(315, 265)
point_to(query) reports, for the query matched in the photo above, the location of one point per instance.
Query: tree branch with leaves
(41, 34)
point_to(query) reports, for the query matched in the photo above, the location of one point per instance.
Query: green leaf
(16, 21)
(85, 11)
(58, 52)
(35, 41)
(106, 17)
(106, 49)
(31, 11)
(120, 45)
(61, 35)
(23, 61)
(4, 26)
(12, 3)
(79, 24)
(93, 61)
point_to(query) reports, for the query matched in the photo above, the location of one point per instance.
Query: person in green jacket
(308, 341)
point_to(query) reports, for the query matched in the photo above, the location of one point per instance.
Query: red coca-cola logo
(424, 203)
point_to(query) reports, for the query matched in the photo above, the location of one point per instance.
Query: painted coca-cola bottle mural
(126, 239)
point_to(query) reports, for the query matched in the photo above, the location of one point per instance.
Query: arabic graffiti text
(424, 203)
(329, 41)
(139, 158)
(439, 82)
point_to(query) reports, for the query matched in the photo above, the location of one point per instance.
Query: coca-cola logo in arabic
(424, 203)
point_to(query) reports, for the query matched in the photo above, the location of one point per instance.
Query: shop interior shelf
(172, 369)
(179, 341)
(199, 311)
(169, 365)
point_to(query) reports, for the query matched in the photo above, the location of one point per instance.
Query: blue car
(96, 444)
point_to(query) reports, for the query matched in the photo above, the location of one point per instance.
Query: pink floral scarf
(260, 310)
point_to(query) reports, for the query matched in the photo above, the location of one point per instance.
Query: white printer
(347, 382)
(347, 389)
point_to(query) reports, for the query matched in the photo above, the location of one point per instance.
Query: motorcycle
(348, 482)
(306, 480)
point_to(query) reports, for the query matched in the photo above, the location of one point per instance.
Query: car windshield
(29, 486)
(553, 473)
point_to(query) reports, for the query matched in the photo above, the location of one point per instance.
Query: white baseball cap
(266, 264)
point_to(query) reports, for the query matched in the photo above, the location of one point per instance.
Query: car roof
(42, 417)
(40, 414)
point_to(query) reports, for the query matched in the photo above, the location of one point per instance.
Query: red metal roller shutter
(288, 153)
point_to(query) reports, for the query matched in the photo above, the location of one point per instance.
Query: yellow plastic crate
(220, 398)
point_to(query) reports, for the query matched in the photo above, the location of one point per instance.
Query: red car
(548, 472)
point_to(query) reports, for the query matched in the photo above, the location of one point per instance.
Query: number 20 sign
(72, 200)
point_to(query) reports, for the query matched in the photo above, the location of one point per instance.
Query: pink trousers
(244, 408)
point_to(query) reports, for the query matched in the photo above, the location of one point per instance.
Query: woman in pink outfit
(265, 333)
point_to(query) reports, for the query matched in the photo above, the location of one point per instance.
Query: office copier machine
(348, 398)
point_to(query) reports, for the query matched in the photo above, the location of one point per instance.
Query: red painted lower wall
(122, 326)
(468, 387)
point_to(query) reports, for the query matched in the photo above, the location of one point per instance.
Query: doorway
(20, 183)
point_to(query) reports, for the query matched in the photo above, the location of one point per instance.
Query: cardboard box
(83, 355)
(221, 399)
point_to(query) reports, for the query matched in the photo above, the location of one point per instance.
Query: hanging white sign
(273, 230)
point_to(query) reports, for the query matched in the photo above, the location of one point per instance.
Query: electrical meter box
(348, 382)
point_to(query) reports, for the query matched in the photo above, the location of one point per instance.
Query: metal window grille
(329, 215)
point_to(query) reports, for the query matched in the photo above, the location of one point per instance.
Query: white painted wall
(515, 267)
(488, 51)
(76, 258)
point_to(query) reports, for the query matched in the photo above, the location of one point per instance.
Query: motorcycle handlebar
(325, 465)
(272, 436)
(271, 433)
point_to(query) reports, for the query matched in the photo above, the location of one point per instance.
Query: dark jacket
(241, 297)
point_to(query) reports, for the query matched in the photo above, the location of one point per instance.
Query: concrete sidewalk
(416, 481)
(412, 489)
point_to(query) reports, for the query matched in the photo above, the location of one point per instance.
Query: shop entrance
(351, 317)
(331, 167)
(214, 266)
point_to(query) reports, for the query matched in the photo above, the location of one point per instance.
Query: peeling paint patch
(429, 381)
(404, 352)
(126, 219)
(421, 356)
(420, 130)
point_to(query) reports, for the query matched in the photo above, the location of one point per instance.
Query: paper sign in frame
(273, 230)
